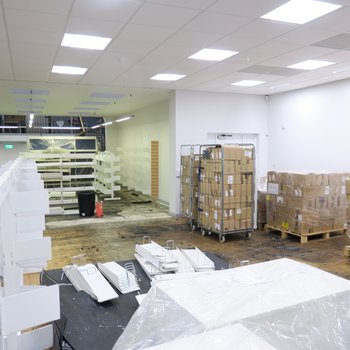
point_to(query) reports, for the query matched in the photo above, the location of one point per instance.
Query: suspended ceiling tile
(275, 48)
(68, 56)
(6, 67)
(247, 8)
(196, 39)
(340, 41)
(238, 43)
(34, 36)
(195, 4)
(35, 20)
(116, 11)
(140, 32)
(266, 30)
(188, 67)
(163, 16)
(338, 56)
(64, 78)
(123, 48)
(29, 72)
(337, 20)
(48, 6)
(95, 27)
(216, 23)
(259, 69)
(306, 35)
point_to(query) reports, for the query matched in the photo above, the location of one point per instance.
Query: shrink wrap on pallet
(306, 204)
(280, 304)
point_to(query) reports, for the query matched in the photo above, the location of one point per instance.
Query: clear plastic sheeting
(280, 304)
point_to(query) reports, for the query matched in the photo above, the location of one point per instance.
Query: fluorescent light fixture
(124, 117)
(61, 127)
(96, 126)
(311, 64)
(248, 83)
(300, 11)
(213, 55)
(85, 41)
(106, 123)
(168, 77)
(69, 70)
(8, 127)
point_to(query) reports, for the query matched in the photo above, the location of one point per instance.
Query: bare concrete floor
(126, 222)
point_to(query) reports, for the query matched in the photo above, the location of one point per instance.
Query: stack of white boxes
(23, 204)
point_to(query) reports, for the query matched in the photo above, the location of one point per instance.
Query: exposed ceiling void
(153, 37)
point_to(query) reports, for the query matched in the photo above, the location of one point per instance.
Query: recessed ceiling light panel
(213, 55)
(85, 41)
(248, 83)
(301, 11)
(69, 70)
(311, 64)
(167, 77)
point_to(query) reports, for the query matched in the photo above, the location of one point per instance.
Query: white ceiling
(157, 36)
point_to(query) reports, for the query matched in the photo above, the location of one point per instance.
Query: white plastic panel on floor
(89, 279)
(41, 338)
(122, 279)
(149, 268)
(281, 304)
(30, 308)
(30, 202)
(198, 259)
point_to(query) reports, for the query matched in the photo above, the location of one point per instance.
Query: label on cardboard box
(300, 217)
(239, 211)
(343, 190)
(230, 179)
(326, 190)
(268, 197)
(279, 199)
(272, 188)
(248, 153)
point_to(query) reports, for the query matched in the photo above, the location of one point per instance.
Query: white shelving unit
(107, 170)
(65, 164)
(23, 205)
(63, 175)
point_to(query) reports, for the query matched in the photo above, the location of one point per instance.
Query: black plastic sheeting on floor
(86, 324)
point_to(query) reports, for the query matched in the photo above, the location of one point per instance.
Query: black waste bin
(86, 202)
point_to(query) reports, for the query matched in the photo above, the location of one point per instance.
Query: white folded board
(30, 202)
(233, 337)
(122, 279)
(33, 249)
(29, 223)
(38, 339)
(89, 279)
(28, 309)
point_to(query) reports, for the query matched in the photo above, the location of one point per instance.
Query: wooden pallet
(347, 251)
(304, 238)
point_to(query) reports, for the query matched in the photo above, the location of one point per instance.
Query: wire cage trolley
(189, 173)
(226, 189)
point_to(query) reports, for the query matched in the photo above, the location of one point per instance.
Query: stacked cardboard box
(347, 184)
(226, 190)
(189, 185)
(261, 209)
(306, 203)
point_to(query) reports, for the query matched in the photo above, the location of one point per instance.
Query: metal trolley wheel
(203, 232)
(222, 239)
(248, 235)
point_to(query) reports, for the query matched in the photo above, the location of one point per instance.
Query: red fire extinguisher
(99, 209)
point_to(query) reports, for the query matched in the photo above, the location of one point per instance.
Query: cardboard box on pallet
(306, 203)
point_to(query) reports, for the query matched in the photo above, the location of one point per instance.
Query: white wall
(196, 116)
(19, 145)
(309, 129)
(134, 138)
